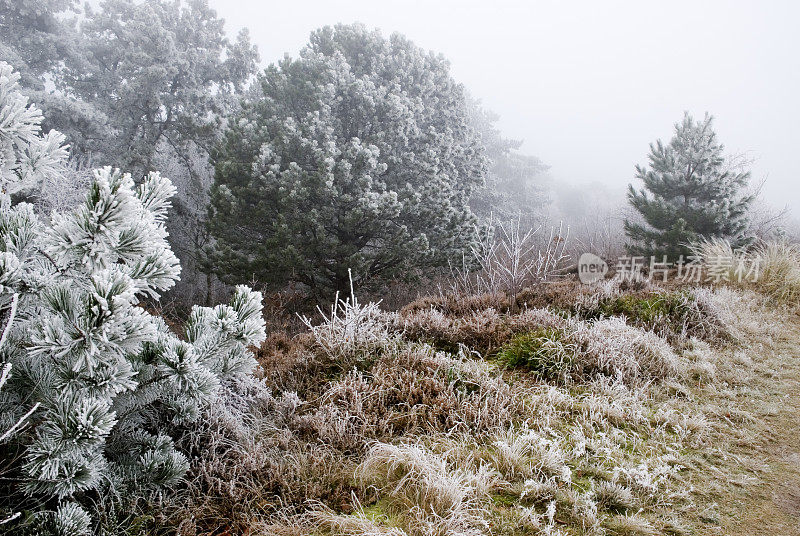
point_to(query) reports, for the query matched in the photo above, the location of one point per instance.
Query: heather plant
(581, 350)
(111, 384)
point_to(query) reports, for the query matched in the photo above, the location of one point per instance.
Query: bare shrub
(508, 258)
(66, 190)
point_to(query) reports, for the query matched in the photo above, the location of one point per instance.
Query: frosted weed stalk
(351, 329)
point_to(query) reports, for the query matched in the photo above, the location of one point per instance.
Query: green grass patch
(649, 310)
(545, 351)
(662, 311)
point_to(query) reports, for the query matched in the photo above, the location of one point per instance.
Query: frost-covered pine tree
(358, 154)
(27, 159)
(515, 188)
(111, 381)
(689, 193)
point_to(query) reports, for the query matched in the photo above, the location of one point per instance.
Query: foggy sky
(588, 85)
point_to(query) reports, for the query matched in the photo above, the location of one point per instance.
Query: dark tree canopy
(358, 154)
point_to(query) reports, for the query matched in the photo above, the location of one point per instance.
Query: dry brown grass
(780, 271)
(775, 267)
(434, 497)
(414, 391)
(483, 331)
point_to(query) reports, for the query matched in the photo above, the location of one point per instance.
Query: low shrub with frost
(684, 424)
(458, 305)
(351, 330)
(674, 315)
(421, 486)
(413, 389)
(484, 331)
(734, 314)
(584, 350)
(613, 348)
(547, 352)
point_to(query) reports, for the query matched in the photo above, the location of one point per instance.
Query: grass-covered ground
(576, 410)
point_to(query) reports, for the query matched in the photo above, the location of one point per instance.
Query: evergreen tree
(138, 85)
(174, 75)
(689, 193)
(35, 37)
(27, 160)
(514, 188)
(110, 382)
(359, 154)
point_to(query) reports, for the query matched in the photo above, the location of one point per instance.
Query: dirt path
(763, 495)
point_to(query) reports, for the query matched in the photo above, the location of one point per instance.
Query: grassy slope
(397, 438)
(744, 468)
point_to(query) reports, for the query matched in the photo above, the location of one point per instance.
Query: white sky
(587, 85)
